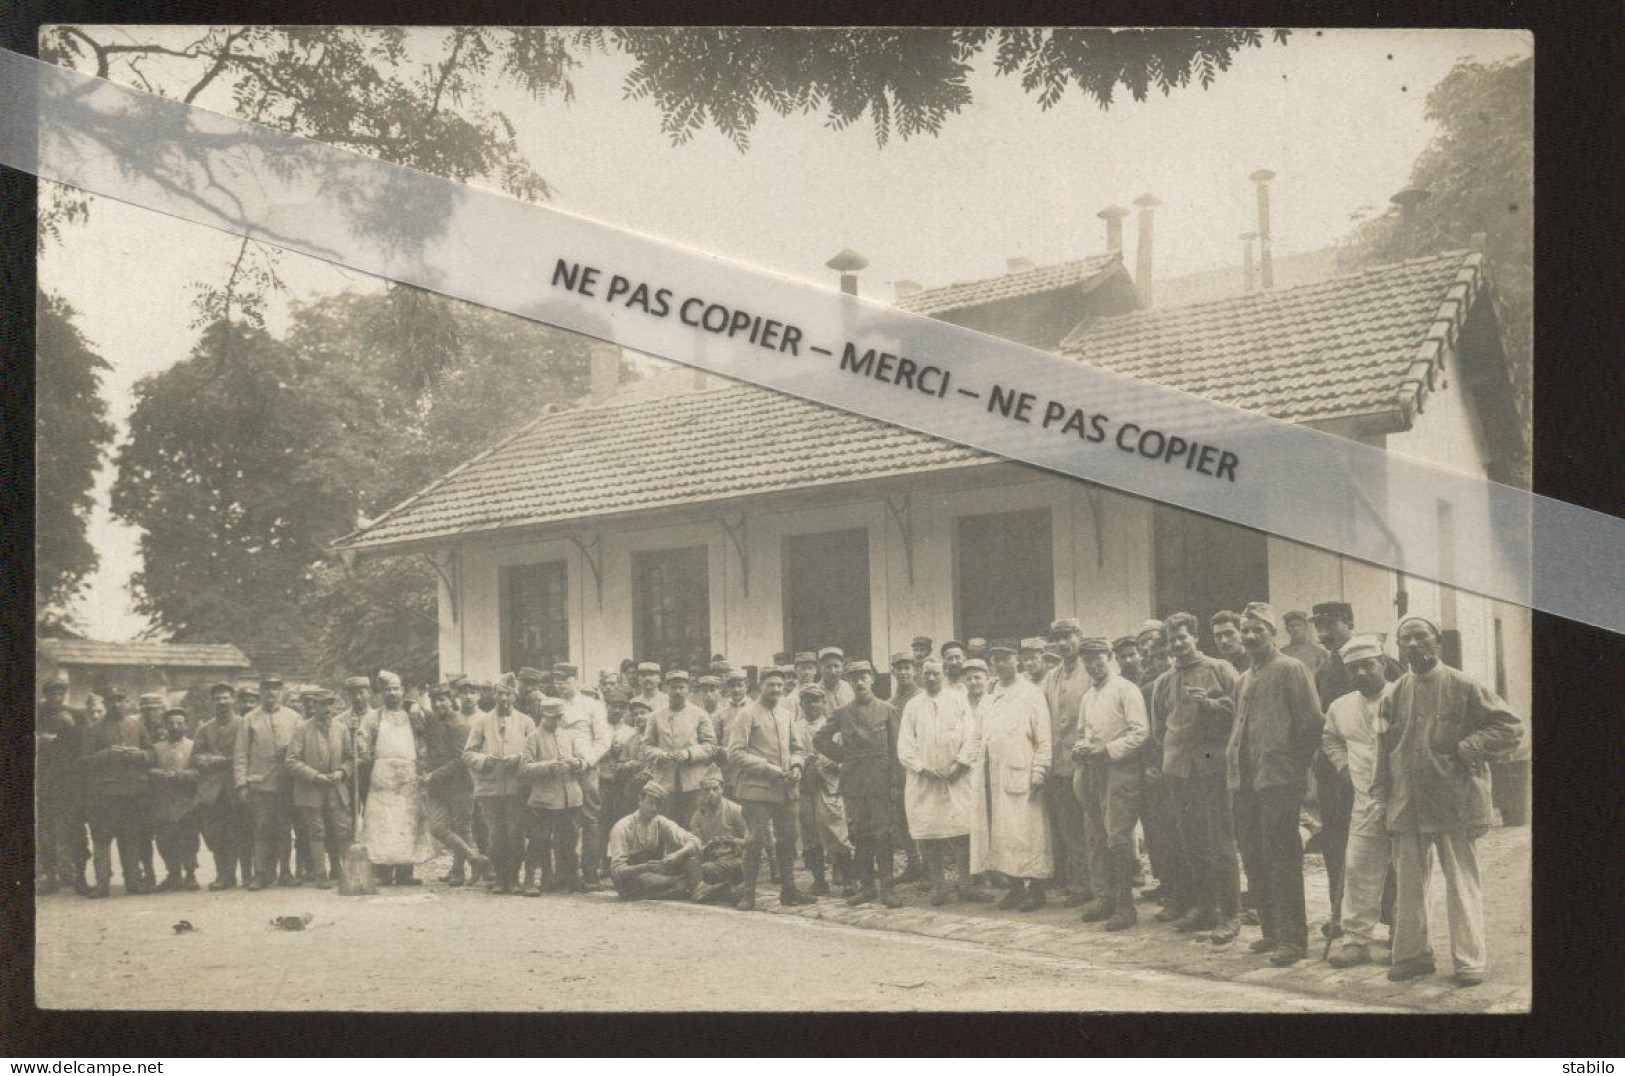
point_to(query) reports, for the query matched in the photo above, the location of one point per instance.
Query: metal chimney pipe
(1148, 204)
(1266, 263)
(848, 262)
(1247, 269)
(1113, 216)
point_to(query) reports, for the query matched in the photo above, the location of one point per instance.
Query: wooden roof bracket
(592, 554)
(454, 562)
(739, 533)
(1092, 494)
(905, 526)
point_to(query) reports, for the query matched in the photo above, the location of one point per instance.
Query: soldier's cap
(782, 658)
(709, 681)
(974, 665)
(1297, 614)
(735, 676)
(116, 692)
(943, 649)
(902, 657)
(1332, 611)
(1263, 612)
(811, 691)
(615, 695)
(1007, 646)
(591, 693)
(1033, 643)
(831, 652)
(552, 707)
(60, 680)
(677, 676)
(443, 690)
(507, 684)
(320, 694)
(1421, 620)
(769, 673)
(456, 680)
(720, 668)
(806, 657)
(1063, 624)
(1123, 642)
(270, 680)
(1361, 647)
(648, 667)
(853, 668)
(221, 685)
(976, 642)
(388, 679)
(923, 641)
(357, 681)
(1052, 650)
(639, 703)
(170, 711)
(250, 690)
(711, 779)
(1151, 625)
(152, 698)
(565, 668)
(655, 789)
(463, 683)
(1094, 644)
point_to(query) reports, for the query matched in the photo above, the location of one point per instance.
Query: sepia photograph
(396, 653)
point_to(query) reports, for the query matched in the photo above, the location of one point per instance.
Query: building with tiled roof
(175, 669)
(739, 521)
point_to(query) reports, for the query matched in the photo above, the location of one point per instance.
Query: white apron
(394, 830)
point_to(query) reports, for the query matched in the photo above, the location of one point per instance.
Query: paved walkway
(1504, 857)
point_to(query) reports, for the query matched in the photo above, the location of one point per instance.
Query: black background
(1578, 689)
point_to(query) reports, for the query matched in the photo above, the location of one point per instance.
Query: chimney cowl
(847, 261)
(1148, 201)
(1263, 175)
(1112, 212)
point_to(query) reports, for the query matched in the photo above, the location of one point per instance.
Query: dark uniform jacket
(59, 772)
(1278, 725)
(1442, 730)
(1194, 733)
(212, 751)
(447, 776)
(109, 774)
(862, 737)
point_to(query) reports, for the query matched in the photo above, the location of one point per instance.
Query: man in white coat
(1012, 823)
(940, 748)
(1349, 742)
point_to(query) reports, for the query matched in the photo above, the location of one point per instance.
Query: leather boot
(815, 867)
(1097, 910)
(1123, 913)
(103, 858)
(846, 873)
(322, 879)
(753, 867)
(913, 869)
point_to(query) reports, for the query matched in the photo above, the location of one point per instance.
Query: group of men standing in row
(1025, 765)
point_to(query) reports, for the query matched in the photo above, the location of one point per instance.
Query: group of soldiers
(1030, 766)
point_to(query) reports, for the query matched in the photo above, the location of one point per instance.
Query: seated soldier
(650, 856)
(719, 823)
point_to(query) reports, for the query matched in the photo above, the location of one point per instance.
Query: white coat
(1011, 834)
(935, 733)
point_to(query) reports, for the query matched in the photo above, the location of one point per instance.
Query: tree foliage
(71, 435)
(1479, 175)
(247, 459)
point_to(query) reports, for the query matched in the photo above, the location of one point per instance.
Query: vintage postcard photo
(398, 653)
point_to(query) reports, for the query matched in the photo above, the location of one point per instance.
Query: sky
(1338, 115)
